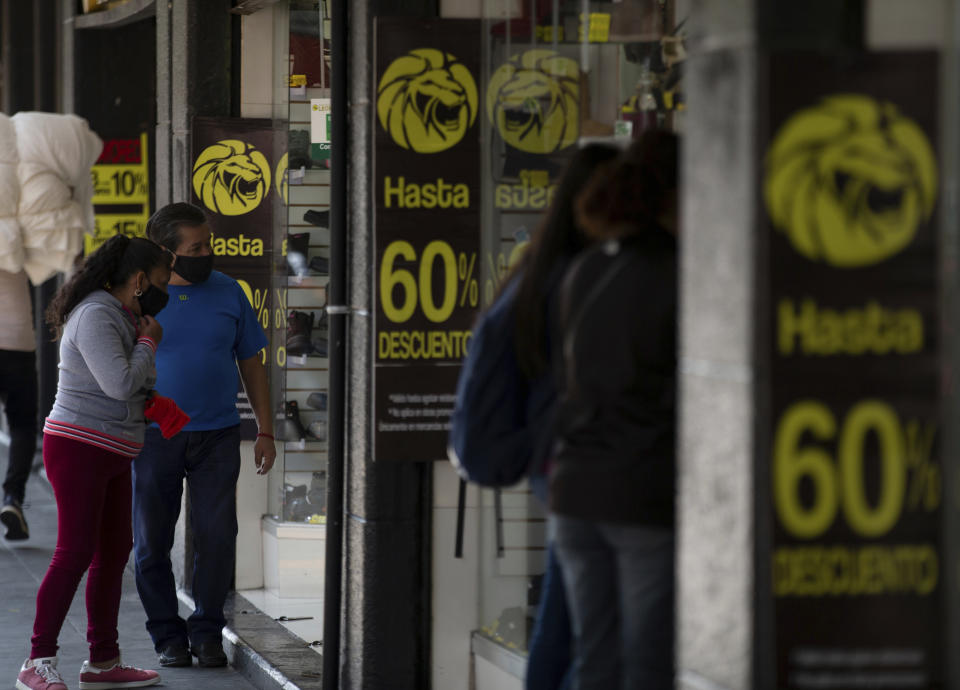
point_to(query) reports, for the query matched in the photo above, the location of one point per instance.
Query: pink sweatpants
(94, 531)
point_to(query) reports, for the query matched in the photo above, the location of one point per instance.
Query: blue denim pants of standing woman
(619, 580)
(548, 667)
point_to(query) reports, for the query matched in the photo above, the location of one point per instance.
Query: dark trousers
(620, 587)
(92, 487)
(18, 392)
(210, 462)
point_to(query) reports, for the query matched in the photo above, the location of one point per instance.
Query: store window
(556, 75)
(294, 528)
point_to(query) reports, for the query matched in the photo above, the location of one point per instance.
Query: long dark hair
(630, 196)
(112, 264)
(555, 242)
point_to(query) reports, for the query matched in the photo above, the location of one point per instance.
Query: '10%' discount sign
(121, 191)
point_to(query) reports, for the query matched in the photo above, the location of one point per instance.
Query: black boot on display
(319, 218)
(320, 265)
(291, 428)
(298, 143)
(298, 244)
(299, 325)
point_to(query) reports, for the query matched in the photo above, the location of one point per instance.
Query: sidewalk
(22, 566)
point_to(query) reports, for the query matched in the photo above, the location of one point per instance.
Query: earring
(138, 293)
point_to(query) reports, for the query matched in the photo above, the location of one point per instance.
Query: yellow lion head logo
(850, 180)
(427, 100)
(231, 177)
(534, 100)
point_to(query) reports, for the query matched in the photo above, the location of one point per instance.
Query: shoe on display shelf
(318, 429)
(291, 428)
(298, 246)
(293, 499)
(318, 400)
(299, 326)
(298, 145)
(320, 265)
(319, 218)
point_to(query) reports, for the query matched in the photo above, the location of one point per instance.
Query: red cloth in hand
(165, 412)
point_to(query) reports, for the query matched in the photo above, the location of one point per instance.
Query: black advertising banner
(237, 178)
(427, 227)
(850, 196)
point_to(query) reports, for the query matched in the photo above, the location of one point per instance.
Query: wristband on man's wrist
(262, 435)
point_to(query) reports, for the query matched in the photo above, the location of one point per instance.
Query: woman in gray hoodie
(103, 317)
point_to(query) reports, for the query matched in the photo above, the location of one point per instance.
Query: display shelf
(512, 661)
(307, 373)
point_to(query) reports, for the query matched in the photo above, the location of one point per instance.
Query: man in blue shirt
(210, 331)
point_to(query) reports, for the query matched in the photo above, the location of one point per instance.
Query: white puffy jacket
(45, 208)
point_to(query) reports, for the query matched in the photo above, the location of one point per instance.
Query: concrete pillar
(194, 62)
(386, 589)
(717, 368)
(725, 636)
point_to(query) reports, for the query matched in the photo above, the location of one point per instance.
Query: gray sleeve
(100, 342)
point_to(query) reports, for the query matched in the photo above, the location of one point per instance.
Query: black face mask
(152, 301)
(195, 269)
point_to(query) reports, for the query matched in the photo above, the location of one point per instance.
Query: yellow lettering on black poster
(818, 571)
(411, 345)
(808, 329)
(440, 194)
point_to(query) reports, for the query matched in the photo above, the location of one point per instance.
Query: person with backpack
(501, 424)
(612, 481)
(104, 319)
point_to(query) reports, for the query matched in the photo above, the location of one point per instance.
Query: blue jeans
(620, 587)
(210, 462)
(548, 667)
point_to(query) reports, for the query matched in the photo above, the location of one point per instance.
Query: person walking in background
(18, 393)
(211, 332)
(612, 482)
(557, 241)
(103, 317)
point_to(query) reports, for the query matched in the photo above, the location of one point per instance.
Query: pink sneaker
(42, 674)
(120, 676)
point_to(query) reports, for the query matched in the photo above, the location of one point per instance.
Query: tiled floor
(308, 630)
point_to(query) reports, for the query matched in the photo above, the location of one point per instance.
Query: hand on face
(151, 328)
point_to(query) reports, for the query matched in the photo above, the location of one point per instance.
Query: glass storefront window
(294, 530)
(557, 75)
